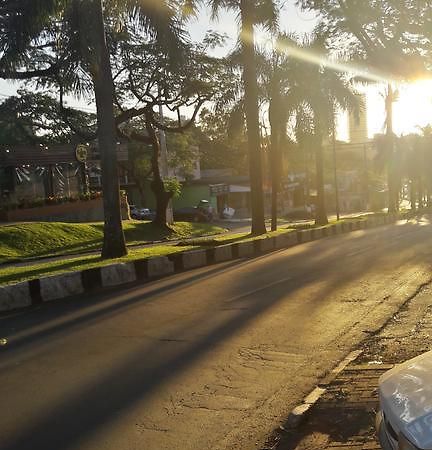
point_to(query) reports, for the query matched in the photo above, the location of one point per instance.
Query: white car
(404, 421)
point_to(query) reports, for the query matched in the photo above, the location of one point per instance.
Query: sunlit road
(209, 359)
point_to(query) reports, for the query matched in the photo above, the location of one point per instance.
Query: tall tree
(251, 13)
(275, 77)
(390, 40)
(151, 81)
(96, 54)
(34, 118)
(318, 92)
(53, 40)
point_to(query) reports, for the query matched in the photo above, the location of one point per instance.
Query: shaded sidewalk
(344, 416)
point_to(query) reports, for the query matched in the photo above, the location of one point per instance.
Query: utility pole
(335, 171)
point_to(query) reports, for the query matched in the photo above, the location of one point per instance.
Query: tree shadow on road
(133, 379)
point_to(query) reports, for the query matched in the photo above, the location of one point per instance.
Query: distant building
(353, 161)
(28, 172)
(357, 123)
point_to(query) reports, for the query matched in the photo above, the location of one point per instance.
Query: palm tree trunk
(421, 194)
(114, 245)
(275, 178)
(320, 213)
(393, 195)
(306, 171)
(275, 163)
(252, 117)
(413, 195)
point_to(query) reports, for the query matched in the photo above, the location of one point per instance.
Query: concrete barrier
(51, 288)
(346, 227)
(318, 233)
(60, 286)
(223, 253)
(244, 249)
(371, 222)
(285, 240)
(15, 296)
(117, 274)
(264, 245)
(159, 266)
(193, 259)
(330, 229)
(304, 235)
(337, 228)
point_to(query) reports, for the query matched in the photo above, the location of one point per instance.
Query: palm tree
(390, 97)
(85, 48)
(251, 13)
(318, 92)
(390, 39)
(275, 80)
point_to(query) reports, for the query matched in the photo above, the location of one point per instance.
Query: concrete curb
(264, 245)
(118, 274)
(15, 296)
(60, 286)
(243, 249)
(220, 254)
(33, 292)
(299, 413)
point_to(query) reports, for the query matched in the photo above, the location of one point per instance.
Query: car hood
(406, 399)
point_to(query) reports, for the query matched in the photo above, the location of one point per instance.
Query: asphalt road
(209, 359)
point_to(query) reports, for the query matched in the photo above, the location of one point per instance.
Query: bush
(37, 202)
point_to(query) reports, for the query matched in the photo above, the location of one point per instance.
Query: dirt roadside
(343, 418)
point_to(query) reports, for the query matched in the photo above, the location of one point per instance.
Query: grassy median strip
(234, 238)
(32, 270)
(15, 274)
(41, 239)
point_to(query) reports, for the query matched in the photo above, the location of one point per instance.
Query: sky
(413, 109)
(291, 19)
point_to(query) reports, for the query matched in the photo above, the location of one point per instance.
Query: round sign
(81, 153)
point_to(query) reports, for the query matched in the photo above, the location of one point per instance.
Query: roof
(237, 189)
(43, 155)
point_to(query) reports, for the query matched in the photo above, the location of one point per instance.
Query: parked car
(306, 213)
(404, 421)
(201, 213)
(141, 213)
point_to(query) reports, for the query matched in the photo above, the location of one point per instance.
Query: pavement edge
(57, 287)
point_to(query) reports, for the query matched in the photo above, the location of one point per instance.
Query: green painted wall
(190, 196)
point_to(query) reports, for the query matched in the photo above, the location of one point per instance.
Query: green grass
(14, 274)
(31, 239)
(41, 239)
(235, 238)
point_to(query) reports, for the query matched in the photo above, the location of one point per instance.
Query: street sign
(81, 153)
(219, 189)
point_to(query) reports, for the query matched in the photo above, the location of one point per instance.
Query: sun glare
(414, 107)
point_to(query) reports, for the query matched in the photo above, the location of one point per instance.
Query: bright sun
(413, 109)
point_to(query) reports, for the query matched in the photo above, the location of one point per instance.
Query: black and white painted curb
(56, 287)
(299, 413)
